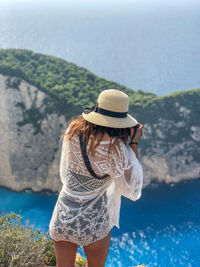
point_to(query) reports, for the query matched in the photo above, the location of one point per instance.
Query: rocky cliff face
(172, 148)
(30, 141)
(29, 137)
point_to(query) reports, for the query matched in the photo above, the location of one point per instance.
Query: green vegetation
(72, 88)
(21, 246)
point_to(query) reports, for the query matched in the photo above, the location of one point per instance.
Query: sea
(161, 229)
(150, 45)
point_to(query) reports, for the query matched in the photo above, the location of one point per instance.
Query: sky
(100, 2)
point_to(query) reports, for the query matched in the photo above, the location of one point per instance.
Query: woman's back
(82, 201)
(97, 167)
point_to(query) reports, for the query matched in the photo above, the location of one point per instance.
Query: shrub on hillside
(22, 246)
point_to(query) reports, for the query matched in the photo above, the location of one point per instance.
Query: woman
(99, 163)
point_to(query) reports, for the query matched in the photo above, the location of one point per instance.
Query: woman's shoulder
(108, 140)
(105, 139)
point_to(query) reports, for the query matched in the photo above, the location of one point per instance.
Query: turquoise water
(162, 228)
(151, 45)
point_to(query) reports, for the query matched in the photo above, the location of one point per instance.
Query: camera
(135, 130)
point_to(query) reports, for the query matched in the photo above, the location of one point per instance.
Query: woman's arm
(135, 149)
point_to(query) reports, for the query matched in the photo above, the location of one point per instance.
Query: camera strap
(86, 159)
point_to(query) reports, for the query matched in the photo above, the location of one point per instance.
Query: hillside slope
(39, 94)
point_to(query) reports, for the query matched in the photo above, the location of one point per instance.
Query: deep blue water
(151, 45)
(162, 228)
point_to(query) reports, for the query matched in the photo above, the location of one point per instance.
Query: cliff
(39, 94)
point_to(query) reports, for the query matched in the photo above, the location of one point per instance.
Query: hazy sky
(105, 5)
(106, 2)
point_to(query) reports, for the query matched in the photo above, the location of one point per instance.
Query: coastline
(155, 184)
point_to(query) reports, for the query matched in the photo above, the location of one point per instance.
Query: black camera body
(135, 130)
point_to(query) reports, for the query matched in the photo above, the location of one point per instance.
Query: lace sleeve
(126, 171)
(64, 159)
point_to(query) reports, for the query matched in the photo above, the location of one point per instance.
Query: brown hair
(89, 130)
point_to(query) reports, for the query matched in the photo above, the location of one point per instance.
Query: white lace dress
(87, 208)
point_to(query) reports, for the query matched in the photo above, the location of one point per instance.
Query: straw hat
(111, 110)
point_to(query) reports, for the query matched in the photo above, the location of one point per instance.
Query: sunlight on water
(161, 229)
(170, 246)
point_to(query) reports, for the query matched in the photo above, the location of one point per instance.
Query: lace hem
(59, 237)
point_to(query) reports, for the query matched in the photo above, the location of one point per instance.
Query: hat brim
(103, 120)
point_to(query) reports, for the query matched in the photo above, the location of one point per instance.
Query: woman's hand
(138, 133)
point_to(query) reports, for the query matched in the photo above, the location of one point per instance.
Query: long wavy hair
(79, 125)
